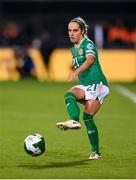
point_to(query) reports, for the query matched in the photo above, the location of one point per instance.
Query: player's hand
(73, 75)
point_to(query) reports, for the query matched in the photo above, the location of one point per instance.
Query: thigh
(79, 93)
(92, 106)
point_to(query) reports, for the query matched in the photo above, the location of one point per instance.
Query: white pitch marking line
(124, 91)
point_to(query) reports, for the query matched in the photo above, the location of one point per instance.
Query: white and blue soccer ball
(34, 144)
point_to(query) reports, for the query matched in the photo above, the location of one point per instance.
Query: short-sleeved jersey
(94, 73)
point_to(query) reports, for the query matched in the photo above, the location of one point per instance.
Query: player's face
(75, 32)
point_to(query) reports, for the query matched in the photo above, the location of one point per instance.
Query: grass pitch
(29, 106)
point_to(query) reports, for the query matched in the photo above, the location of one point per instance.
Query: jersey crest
(80, 52)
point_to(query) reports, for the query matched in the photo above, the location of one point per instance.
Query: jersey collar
(77, 46)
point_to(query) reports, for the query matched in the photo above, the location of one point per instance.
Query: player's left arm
(88, 62)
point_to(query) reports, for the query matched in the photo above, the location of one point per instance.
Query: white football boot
(94, 156)
(69, 124)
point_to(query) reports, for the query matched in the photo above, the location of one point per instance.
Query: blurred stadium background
(35, 61)
(40, 27)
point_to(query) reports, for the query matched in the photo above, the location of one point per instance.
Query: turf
(29, 106)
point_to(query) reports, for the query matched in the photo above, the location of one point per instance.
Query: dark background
(53, 15)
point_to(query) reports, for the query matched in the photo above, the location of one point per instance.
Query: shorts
(94, 91)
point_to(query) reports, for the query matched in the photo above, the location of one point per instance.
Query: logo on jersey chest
(80, 52)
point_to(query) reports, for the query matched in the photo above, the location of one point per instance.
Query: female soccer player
(92, 88)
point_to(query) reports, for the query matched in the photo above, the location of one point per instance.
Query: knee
(69, 95)
(87, 116)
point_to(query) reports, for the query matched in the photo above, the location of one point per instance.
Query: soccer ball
(34, 144)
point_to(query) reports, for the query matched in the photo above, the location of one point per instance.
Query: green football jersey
(93, 74)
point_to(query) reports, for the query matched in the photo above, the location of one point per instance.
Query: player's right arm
(87, 63)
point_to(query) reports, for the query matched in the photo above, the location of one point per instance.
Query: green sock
(72, 107)
(91, 131)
